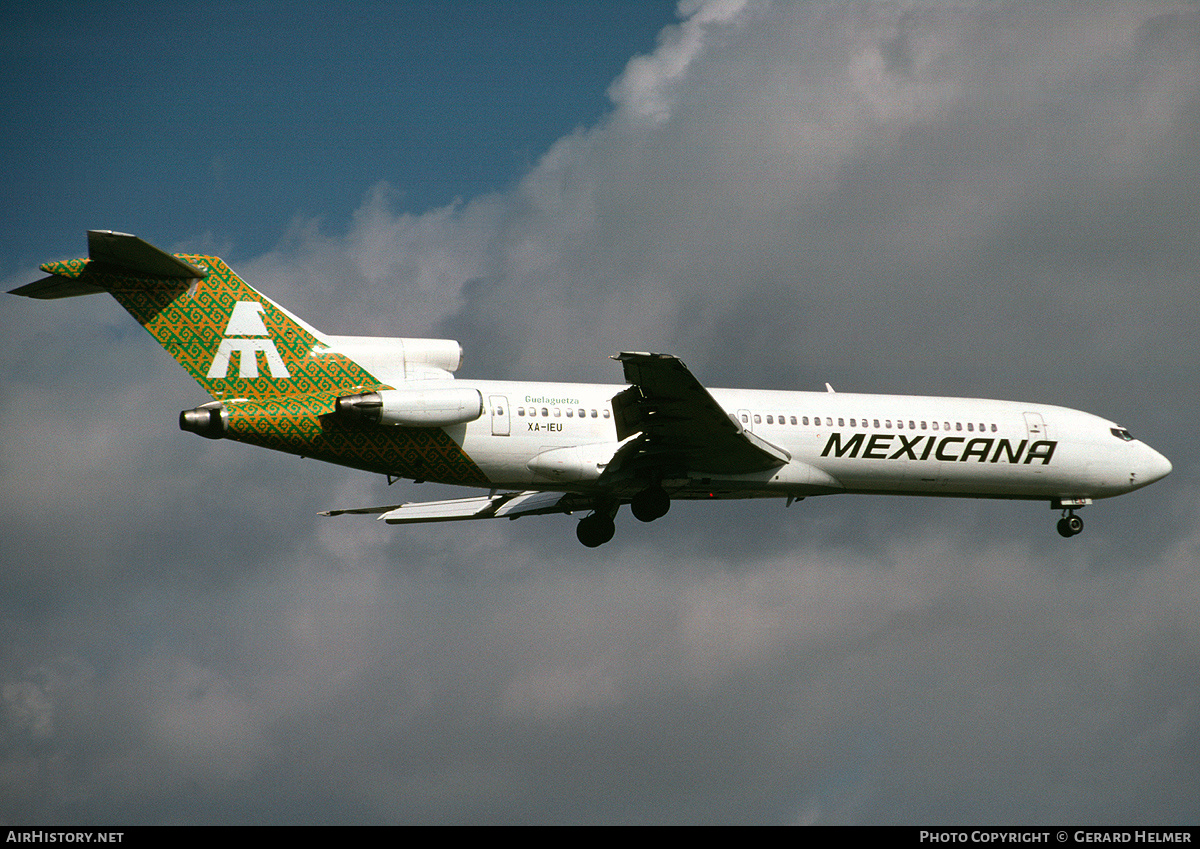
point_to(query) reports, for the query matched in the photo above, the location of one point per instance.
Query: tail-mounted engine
(208, 420)
(412, 407)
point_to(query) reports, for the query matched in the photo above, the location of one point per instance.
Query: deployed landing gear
(650, 504)
(1070, 524)
(596, 529)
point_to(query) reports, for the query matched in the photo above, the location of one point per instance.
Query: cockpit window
(1122, 434)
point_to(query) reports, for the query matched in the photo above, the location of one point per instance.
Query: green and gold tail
(275, 383)
(233, 340)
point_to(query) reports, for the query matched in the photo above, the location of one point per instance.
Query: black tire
(1068, 526)
(650, 504)
(595, 530)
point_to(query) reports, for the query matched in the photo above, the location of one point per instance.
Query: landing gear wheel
(1068, 526)
(650, 504)
(595, 530)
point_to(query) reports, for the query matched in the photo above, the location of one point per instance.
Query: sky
(990, 199)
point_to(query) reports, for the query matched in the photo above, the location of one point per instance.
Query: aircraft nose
(1157, 466)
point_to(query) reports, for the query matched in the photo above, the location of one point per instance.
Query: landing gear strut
(1070, 524)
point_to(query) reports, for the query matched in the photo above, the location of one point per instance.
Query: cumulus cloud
(989, 199)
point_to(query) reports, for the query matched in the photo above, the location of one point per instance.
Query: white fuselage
(838, 442)
(392, 406)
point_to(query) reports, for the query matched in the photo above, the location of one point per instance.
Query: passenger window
(923, 426)
(958, 425)
(993, 428)
(899, 424)
(877, 423)
(841, 422)
(593, 414)
(912, 426)
(757, 418)
(793, 419)
(804, 420)
(852, 424)
(520, 411)
(604, 413)
(545, 411)
(770, 420)
(570, 413)
(745, 419)
(971, 427)
(557, 413)
(935, 426)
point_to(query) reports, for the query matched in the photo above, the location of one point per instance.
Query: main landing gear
(650, 504)
(1070, 524)
(598, 527)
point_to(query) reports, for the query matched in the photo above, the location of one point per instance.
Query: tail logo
(247, 335)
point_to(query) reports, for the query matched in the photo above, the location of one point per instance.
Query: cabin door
(1036, 426)
(500, 415)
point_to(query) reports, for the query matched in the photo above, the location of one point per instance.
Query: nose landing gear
(1070, 524)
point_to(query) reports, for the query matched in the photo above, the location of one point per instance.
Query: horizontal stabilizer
(52, 287)
(126, 253)
(109, 253)
(508, 505)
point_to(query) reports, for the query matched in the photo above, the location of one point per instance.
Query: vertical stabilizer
(234, 341)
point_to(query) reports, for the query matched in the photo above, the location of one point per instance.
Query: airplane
(393, 406)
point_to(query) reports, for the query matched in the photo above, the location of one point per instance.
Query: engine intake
(412, 407)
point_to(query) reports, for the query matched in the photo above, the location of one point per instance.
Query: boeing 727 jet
(393, 406)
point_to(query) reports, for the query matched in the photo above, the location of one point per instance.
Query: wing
(508, 505)
(681, 424)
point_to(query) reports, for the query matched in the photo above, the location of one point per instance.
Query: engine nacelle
(208, 421)
(395, 360)
(439, 407)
